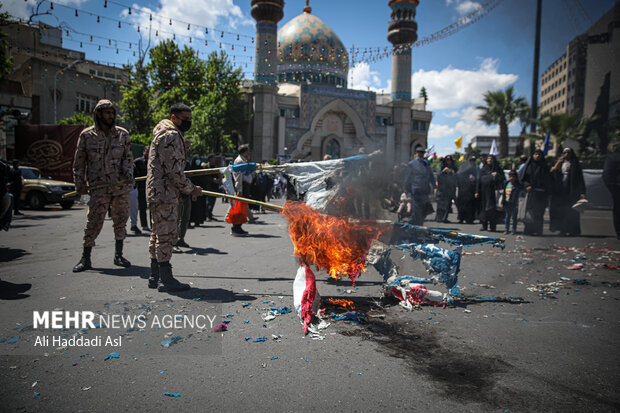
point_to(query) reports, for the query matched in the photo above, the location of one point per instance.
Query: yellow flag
(462, 158)
(459, 142)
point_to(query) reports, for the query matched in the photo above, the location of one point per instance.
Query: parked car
(39, 191)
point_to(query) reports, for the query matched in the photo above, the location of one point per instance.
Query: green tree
(207, 132)
(220, 112)
(211, 87)
(6, 64)
(423, 94)
(501, 108)
(137, 105)
(78, 118)
(562, 126)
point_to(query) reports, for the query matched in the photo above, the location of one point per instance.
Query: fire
(342, 303)
(335, 245)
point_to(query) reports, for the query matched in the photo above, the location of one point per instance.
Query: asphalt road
(551, 351)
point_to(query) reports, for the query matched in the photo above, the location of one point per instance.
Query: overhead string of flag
(161, 19)
(375, 54)
(159, 32)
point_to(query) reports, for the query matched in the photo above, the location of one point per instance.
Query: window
(289, 112)
(383, 120)
(333, 149)
(85, 103)
(418, 125)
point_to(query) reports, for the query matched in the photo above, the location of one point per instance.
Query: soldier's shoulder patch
(88, 129)
(122, 130)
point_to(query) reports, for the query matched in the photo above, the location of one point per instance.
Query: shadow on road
(134, 270)
(250, 235)
(205, 251)
(214, 295)
(11, 291)
(10, 254)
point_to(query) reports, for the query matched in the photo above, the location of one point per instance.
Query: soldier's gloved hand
(81, 189)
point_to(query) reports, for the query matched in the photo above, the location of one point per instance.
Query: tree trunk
(503, 138)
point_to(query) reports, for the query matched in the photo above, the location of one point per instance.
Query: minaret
(402, 32)
(267, 14)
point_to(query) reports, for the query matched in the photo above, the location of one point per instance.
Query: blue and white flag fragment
(420, 242)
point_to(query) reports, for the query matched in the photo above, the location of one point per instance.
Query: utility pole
(536, 65)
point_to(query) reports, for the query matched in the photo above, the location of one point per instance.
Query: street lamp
(55, 76)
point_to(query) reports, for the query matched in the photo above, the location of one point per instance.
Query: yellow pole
(272, 207)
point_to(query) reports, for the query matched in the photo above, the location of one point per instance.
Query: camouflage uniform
(165, 181)
(103, 159)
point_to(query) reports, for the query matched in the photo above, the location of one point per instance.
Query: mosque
(301, 106)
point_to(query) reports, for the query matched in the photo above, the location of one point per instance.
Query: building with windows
(43, 67)
(484, 144)
(300, 103)
(588, 73)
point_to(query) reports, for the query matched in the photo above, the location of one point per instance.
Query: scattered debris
(169, 342)
(351, 317)
(113, 355)
(220, 327)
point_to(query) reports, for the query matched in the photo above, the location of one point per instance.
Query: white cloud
(454, 114)
(437, 131)
(362, 78)
(454, 88)
(464, 7)
(470, 125)
(221, 14)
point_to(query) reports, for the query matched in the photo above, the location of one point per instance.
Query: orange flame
(342, 303)
(333, 244)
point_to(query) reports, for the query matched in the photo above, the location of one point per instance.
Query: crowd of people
(485, 192)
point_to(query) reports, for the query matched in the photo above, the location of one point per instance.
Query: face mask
(185, 125)
(198, 162)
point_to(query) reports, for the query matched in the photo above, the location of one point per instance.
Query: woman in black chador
(568, 188)
(491, 180)
(536, 179)
(467, 179)
(446, 188)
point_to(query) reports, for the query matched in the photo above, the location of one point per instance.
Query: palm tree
(501, 109)
(562, 126)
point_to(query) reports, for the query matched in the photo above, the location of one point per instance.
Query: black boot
(154, 278)
(167, 282)
(84, 263)
(118, 255)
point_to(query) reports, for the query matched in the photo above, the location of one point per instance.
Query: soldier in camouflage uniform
(103, 156)
(165, 181)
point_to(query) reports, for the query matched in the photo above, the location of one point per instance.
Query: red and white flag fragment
(306, 298)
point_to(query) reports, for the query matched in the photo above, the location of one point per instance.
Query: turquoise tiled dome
(309, 50)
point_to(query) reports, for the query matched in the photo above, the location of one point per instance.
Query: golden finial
(307, 9)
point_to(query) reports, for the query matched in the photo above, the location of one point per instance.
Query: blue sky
(491, 54)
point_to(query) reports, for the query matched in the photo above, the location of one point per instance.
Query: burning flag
(336, 245)
(341, 246)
